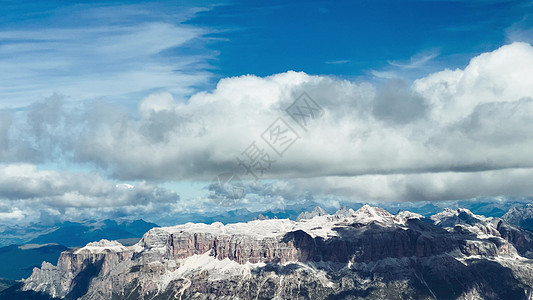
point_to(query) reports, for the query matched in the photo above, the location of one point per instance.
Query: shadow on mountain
(349, 294)
(14, 292)
(447, 278)
(80, 284)
(277, 269)
(372, 242)
(521, 239)
(416, 255)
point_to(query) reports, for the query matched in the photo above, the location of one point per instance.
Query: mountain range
(368, 253)
(521, 216)
(28, 247)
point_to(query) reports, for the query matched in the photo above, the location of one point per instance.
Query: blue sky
(422, 99)
(350, 38)
(204, 41)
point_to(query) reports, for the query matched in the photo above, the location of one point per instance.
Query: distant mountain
(232, 216)
(521, 216)
(73, 234)
(17, 262)
(6, 283)
(316, 212)
(364, 254)
(487, 209)
(22, 234)
(462, 216)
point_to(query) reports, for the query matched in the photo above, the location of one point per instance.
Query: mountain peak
(344, 212)
(373, 213)
(316, 212)
(367, 214)
(451, 217)
(101, 246)
(520, 216)
(212, 259)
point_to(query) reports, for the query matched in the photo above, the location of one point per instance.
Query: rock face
(520, 216)
(368, 253)
(317, 212)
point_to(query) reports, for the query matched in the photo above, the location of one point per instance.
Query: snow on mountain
(317, 212)
(406, 215)
(344, 212)
(521, 216)
(449, 218)
(368, 253)
(464, 221)
(101, 246)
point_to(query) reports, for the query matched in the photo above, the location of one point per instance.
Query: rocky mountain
(35, 243)
(368, 254)
(521, 216)
(316, 212)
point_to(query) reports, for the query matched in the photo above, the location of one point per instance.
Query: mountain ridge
(368, 253)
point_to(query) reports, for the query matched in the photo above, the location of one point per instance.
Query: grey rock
(317, 212)
(368, 254)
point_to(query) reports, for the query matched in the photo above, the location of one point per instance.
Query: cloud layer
(453, 134)
(25, 190)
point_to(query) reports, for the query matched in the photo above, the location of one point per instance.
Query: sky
(112, 109)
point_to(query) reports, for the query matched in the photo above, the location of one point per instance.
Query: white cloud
(494, 77)
(24, 182)
(419, 187)
(464, 120)
(416, 61)
(435, 139)
(420, 63)
(15, 214)
(338, 62)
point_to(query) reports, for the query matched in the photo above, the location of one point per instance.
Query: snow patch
(101, 246)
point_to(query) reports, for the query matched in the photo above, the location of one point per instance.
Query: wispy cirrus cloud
(86, 52)
(419, 63)
(416, 61)
(338, 62)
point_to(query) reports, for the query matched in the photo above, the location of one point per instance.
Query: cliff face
(368, 253)
(520, 216)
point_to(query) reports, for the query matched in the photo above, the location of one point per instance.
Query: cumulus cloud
(494, 77)
(396, 103)
(12, 214)
(419, 187)
(5, 123)
(452, 134)
(29, 190)
(462, 120)
(68, 189)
